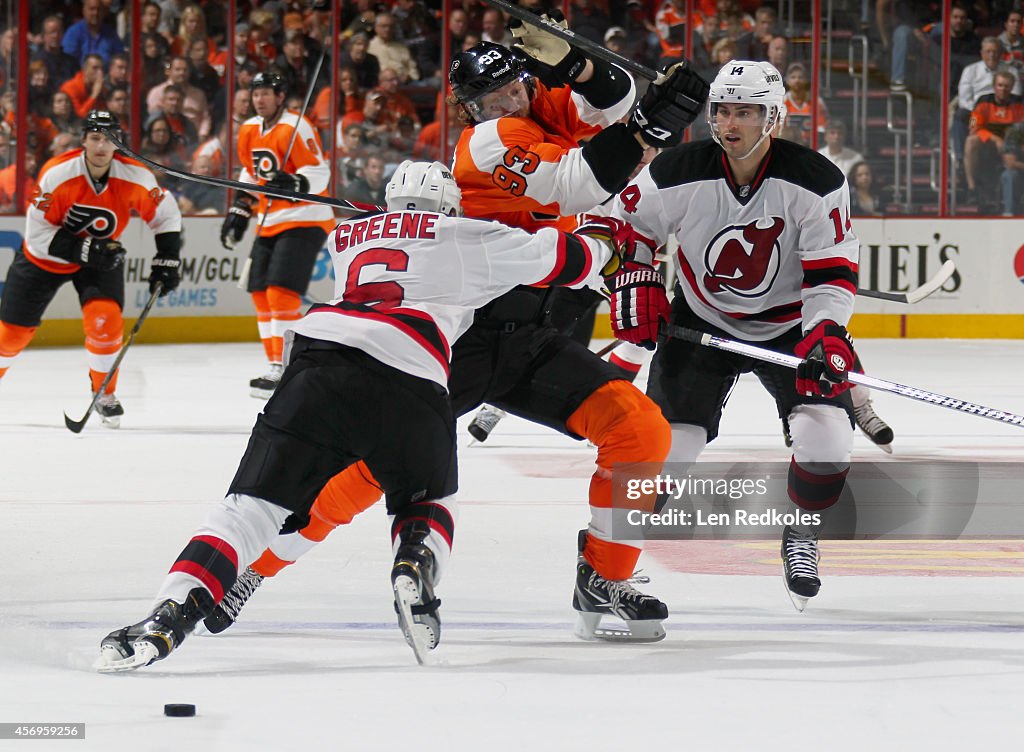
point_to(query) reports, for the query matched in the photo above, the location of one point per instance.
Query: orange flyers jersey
(530, 172)
(261, 154)
(66, 197)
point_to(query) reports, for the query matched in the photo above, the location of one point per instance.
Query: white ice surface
(91, 523)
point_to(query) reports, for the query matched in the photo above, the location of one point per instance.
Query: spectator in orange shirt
(397, 104)
(992, 117)
(10, 176)
(798, 104)
(350, 99)
(192, 27)
(86, 88)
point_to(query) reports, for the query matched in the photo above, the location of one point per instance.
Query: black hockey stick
(791, 361)
(76, 426)
(351, 207)
(913, 296)
(591, 48)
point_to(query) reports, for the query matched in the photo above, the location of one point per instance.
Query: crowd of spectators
(388, 82)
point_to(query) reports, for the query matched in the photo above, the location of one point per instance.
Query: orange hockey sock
(285, 308)
(104, 329)
(13, 339)
(262, 306)
(631, 435)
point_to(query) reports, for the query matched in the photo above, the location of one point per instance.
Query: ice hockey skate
(800, 557)
(262, 387)
(595, 597)
(110, 410)
(868, 421)
(156, 636)
(226, 612)
(486, 418)
(412, 579)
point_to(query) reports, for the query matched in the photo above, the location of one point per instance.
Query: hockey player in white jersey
(367, 380)
(766, 255)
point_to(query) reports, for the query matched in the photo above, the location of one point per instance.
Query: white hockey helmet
(424, 186)
(749, 82)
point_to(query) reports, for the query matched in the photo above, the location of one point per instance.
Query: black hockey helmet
(268, 80)
(101, 121)
(483, 68)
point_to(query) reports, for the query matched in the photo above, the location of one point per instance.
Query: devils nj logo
(95, 220)
(744, 260)
(264, 162)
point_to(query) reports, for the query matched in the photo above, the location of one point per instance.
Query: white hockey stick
(791, 361)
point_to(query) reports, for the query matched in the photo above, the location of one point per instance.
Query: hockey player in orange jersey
(520, 162)
(291, 233)
(78, 211)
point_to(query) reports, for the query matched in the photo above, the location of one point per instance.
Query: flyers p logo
(264, 162)
(95, 220)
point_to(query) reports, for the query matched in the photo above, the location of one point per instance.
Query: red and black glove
(638, 303)
(828, 355)
(616, 233)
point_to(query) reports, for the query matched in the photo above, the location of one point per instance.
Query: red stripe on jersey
(419, 339)
(826, 263)
(559, 262)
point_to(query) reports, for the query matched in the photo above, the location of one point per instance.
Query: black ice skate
(226, 612)
(868, 421)
(800, 558)
(262, 387)
(595, 597)
(153, 638)
(484, 421)
(110, 410)
(412, 579)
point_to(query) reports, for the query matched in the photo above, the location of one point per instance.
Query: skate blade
(112, 422)
(887, 448)
(799, 601)
(419, 637)
(639, 631)
(112, 662)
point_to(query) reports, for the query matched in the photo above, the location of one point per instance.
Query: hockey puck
(176, 710)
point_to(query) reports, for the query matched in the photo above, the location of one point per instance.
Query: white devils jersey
(753, 260)
(407, 283)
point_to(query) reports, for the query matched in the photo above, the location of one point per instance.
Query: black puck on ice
(176, 710)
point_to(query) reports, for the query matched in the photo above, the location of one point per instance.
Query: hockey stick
(351, 207)
(566, 35)
(791, 361)
(913, 296)
(243, 278)
(76, 426)
(918, 294)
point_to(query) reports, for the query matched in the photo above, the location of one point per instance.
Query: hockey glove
(669, 106)
(236, 222)
(548, 57)
(618, 235)
(828, 354)
(638, 303)
(288, 181)
(101, 254)
(165, 269)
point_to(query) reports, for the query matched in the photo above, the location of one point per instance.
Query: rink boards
(984, 299)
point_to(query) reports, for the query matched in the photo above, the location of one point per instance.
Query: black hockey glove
(165, 268)
(669, 106)
(236, 222)
(287, 181)
(101, 254)
(553, 60)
